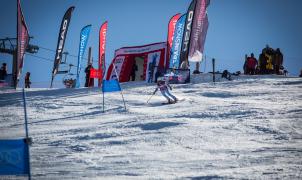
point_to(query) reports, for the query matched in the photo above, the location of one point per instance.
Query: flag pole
(26, 132)
(103, 100)
(213, 63)
(103, 77)
(15, 64)
(52, 78)
(119, 85)
(25, 113)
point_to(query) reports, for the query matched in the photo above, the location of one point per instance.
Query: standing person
(89, 81)
(269, 65)
(262, 63)
(163, 85)
(133, 71)
(278, 61)
(245, 65)
(3, 72)
(27, 80)
(269, 54)
(251, 64)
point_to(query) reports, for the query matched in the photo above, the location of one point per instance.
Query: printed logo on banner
(188, 31)
(177, 40)
(152, 64)
(10, 157)
(118, 63)
(14, 157)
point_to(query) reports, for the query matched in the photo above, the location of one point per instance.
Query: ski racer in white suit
(163, 86)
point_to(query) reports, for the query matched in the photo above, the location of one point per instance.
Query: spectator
(133, 71)
(278, 61)
(245, 65)
(89, 81)
(27, 80)
(268, 50)
(269, 54)
(262, 63)
(3, 71)
(251, 65)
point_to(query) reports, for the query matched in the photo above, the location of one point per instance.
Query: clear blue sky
(237, 27)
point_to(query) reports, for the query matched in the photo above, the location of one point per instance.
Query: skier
(163, 85)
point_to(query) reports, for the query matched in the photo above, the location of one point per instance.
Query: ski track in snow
(248, 128)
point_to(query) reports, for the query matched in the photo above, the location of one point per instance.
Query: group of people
(3, 75)
(270, 62)
(69, 83)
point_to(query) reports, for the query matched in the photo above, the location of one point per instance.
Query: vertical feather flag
(186, 36)
(171, 30)
(177, 40)
(83, 42)
(199, 30)
(102, 46)
(61, 41)
(22, 42)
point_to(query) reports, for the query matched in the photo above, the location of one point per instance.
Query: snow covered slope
(246, 128)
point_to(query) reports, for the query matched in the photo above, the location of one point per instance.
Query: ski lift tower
(8, 46)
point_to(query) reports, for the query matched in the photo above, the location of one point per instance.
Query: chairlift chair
(69, 79)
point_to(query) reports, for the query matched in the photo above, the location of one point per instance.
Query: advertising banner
(61, 41)
(171, 30)
(22, 42)
(83, 42)
(14, 157)
(199, 29)
(184, 64)
(102, 45)
(176, 45)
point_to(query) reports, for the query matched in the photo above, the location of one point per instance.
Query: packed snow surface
(247, 128)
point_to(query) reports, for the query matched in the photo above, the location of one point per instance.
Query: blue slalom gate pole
(26, 131)
(119, 85)
(25, 113)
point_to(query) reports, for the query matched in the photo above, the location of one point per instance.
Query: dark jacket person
(89, 81)
(3, 72)
(133, 71)
(27, 80)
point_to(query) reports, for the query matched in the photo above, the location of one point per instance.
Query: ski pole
(150, 98)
